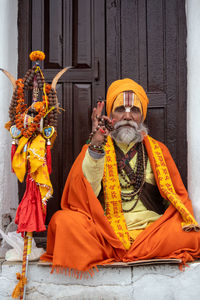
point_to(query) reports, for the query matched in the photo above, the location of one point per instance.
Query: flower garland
(21, 110)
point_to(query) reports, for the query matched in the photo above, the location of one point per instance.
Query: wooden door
(105, 41)
(146, 41)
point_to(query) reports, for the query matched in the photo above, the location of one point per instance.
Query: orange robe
(80, 236)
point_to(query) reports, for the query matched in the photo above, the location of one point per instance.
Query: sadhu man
(124, 199)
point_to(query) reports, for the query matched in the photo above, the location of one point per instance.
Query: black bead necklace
(135, 178)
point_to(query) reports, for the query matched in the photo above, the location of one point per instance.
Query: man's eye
(120, 109)
(135, 109)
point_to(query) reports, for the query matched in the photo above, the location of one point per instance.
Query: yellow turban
(123, 85)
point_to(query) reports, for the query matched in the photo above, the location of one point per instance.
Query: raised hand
(101, 125)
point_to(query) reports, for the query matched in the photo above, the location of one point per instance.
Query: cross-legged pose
(124, 199)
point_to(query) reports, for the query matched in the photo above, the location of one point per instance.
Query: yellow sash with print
(166, 186)
(112, 196)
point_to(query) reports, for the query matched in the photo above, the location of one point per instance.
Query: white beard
(128, 131)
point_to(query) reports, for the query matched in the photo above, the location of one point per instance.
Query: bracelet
(94, 132)
(95, 148)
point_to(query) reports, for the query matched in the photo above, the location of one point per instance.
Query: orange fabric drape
(80, 236)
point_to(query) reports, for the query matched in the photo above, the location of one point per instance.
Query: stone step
(149, 282)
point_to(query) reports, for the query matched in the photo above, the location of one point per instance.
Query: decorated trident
(33, 131)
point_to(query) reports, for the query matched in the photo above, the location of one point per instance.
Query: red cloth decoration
(30, 215)
(48, 158)
(13, 149)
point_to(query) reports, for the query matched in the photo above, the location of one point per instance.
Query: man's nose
(127, 116)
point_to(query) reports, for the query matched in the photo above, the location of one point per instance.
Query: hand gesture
(99, 129)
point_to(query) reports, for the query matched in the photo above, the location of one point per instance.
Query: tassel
(13, 149)
(19, 289)
(48, 156)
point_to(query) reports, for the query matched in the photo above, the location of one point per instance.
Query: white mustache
(124, 123)
(135, 132)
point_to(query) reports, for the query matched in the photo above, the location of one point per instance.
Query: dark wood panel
(67, 131)
(155, 123)
(113, 35)
(37, 26)
(99, 51)
(157, 99)
(155, 45)
(142, 43)
(82, 37)
(57, 165)
(55, 32)
(72, 75)
(68, 32)
(24, 29)
(181, 80)
(82, 115)
(52, 16)
(171, 64)
(129, 39)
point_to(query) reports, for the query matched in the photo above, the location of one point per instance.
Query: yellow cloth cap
(123, 85)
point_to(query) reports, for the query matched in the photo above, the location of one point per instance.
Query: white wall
(193, 102)
(8, 61)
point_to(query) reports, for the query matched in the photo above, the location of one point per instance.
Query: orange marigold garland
(21, 110)
(42, 114)
(41, 117)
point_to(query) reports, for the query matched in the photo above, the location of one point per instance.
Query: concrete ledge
(134, 283)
